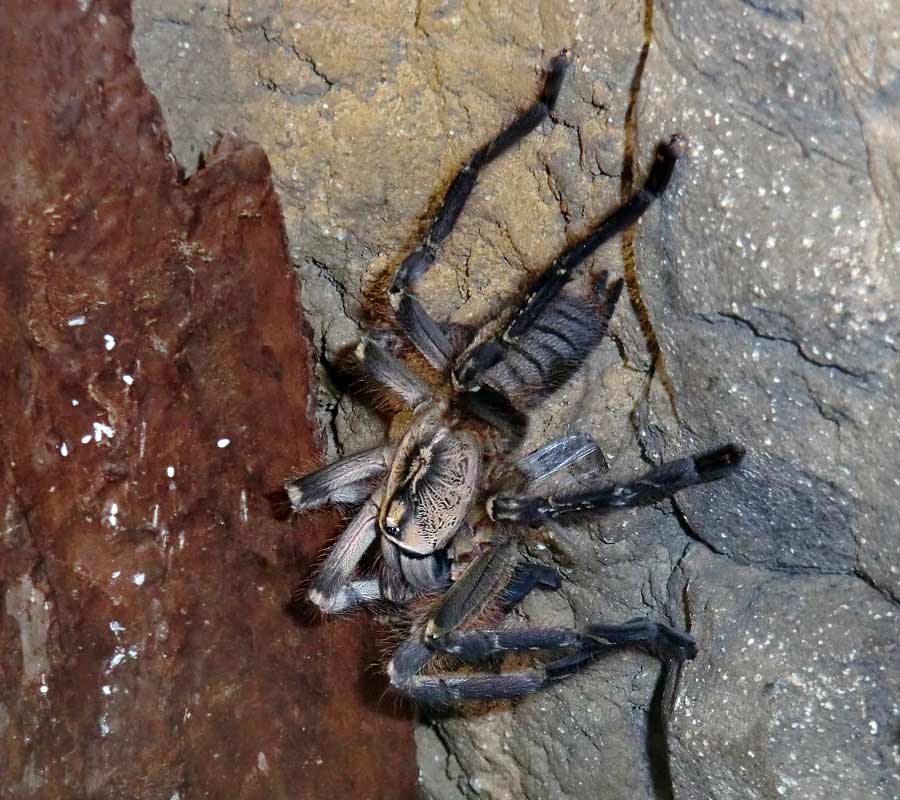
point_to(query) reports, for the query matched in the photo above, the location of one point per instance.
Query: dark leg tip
(667, 156)
(549, 579)
(561, 60)
(555, 74)
(718, 463)
(672, 645)
(615, 291)
(677, 146)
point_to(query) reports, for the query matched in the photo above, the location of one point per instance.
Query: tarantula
(446, 500)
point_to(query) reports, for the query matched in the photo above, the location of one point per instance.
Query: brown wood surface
(145, 646)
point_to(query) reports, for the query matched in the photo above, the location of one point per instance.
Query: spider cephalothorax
(446, 501)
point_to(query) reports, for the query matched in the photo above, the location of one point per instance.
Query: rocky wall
(762, 307)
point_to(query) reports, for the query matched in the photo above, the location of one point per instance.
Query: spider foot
(677, 145)
(664, 642)
(674, 645)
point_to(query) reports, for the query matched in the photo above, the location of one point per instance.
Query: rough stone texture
(764, 290)
(155, 390)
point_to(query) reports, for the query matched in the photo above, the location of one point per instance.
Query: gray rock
(796, 694)
(764, 291)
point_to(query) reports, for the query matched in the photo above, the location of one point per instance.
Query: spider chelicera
(446, 501)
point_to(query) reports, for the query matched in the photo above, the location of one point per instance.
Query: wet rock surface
(155, 392)
(763, 308)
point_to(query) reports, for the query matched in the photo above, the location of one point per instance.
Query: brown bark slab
(155, 384)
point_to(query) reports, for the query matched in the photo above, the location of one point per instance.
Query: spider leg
(528, 368)
(557, 455)
(392, 373)
(496, 409)
(574, 650)
(424, 332)
(473, 592)
(525, 579)
(545, 292)
(493, 576)
(344, 481)
(658, 484)
(351, 595)
(333, 589)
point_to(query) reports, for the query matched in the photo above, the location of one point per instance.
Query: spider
(446, 502)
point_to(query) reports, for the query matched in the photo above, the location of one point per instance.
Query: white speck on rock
(86, 438)
(63, 450)
(223, 443)
(74, 402)
(116, 627)
(104, 726)
(262, 763)
(138, 578)
(128, 380)
(109, 341)
(44, 688)
(76, 322)
(106, 689)
(170, 472)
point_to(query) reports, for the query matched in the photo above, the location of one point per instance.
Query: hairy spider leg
(334, 589)
(496, 409)
(525, 579)
(556, 455)
(497, 580)
(421, 329)
(346, 481)
(573, 650)
(392, 373)
(351, 595)
(543, 306)
(657, 484)
(519, 375)
(560, 271)
(480, 585)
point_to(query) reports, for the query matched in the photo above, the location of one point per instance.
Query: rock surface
(155, 391)
(764, 307)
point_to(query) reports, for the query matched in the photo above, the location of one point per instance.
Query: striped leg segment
(392, 373)
(658, 484)
(573, 650)
(346, 481)
(549, 321)
(424, 332)
(334, 590)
